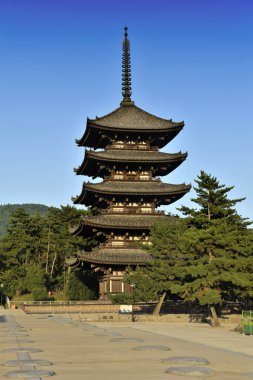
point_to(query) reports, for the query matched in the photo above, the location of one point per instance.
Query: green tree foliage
(164, 272)
(213, 202)
(206, 257)
(16, 251)
(82, 285)
(8, 209)
(218, 247)
(38, 243)
(35, 278)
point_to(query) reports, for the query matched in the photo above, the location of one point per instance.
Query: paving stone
(27, 349)
(196, 360)
(5, 330)
(151, 348)
(20, 330)
(12, 334)
(23, 355)
(18, 341)
(190, 371)
(29, 373)
(27, 363)
(107, 333)
(127, 340)
(20, 333)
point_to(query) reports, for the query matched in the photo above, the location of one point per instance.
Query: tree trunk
(159, 304)
(48, 249)
(214, 316)
(52, 268)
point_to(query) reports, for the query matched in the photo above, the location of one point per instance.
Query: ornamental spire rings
(126, 69)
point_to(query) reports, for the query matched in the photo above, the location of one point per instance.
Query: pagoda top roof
(126, 119)
(122, 256)
(130, 117)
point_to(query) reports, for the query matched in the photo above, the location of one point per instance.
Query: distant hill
(7, 210)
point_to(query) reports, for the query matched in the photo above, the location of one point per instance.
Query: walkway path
(118, 350)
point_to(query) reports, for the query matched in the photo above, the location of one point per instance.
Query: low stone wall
(104, 311)
(62, 308)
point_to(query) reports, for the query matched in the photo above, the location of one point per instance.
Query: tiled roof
(135, 187)
(132, 117)
(134, 155)
(128, 221)
(115, 256)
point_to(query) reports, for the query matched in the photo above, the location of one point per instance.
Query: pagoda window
(118, 237)
(119, 144)
(118, 204)
(134, 238)
(117, 273)
(118, 209)
(146, 210)
(142, 145)
(118, 176)
(130, 204)
(117, 243)
(144, 177)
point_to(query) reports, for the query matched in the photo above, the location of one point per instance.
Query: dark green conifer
(218, 247)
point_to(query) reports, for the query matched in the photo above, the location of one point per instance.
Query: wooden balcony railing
(133, 211)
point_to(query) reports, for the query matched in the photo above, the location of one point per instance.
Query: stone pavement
(40, 346)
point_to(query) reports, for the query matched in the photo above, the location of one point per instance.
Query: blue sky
(61, 62)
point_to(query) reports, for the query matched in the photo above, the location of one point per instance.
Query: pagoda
(122, 148)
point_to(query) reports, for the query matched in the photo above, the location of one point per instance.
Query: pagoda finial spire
(126, 70)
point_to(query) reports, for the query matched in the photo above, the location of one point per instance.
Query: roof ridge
(106, 115)
(131, 105)
(158, 117)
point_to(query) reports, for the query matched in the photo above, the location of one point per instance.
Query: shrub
(121, 298)
(39, 294)
(82, 285)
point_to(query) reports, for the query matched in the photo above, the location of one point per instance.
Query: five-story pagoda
(125, 154)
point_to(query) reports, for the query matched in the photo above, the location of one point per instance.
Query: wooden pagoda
(124, 151)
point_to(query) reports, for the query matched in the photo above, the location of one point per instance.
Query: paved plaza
(40, 346)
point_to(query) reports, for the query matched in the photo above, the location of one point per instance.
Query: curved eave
(81, 141)
(76, 229)
(91, 192)
(172, 128)
(120, 257)
(91, 160)
(127, 190)
(94, 131)
(121, 222)
(131, 115)
(72, 261)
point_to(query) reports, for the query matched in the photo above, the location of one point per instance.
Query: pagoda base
(110, 264)
(112, 283)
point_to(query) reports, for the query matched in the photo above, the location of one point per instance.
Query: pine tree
(16, 251)
(162, 276)
(213, 202)
(218, 247)
(42, 242)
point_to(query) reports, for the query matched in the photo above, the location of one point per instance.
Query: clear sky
(60, 62)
